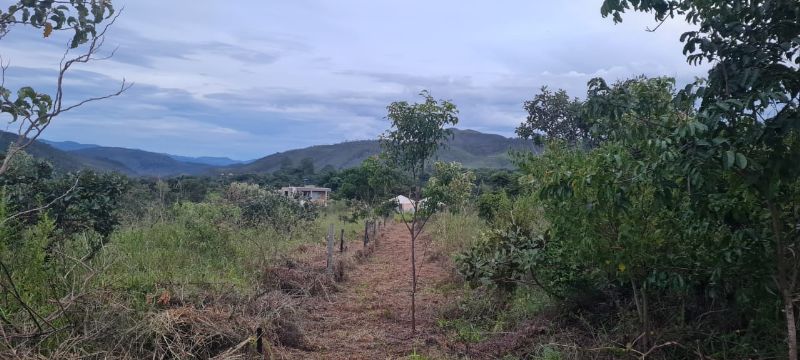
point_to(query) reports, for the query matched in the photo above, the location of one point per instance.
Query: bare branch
(43, 207)
(30, 126)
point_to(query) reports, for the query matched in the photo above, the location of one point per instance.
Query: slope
(62, 161)
(140, 162)
(469, 147)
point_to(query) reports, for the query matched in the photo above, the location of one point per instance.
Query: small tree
(451, 185)
(417, 132)
(368, 188)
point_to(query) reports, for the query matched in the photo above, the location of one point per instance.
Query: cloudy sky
(248, 78)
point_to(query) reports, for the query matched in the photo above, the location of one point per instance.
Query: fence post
(341, 242)
(330, 249)
(366, 233)
(375, 232)
(259, 341)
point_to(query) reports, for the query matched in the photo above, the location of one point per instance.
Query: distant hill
(60, 160)
(140, 162)
(471, 148)
(207, 160)
(127, 161)
(68, 145)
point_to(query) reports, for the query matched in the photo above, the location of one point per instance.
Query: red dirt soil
(370, 317)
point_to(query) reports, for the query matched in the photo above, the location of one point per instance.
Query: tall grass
(205, 244)
(453, 233)
(336, 213)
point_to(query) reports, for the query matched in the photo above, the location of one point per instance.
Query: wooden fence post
(330, 249)
(259, 341)
(366, 233)
(375, 232)
(341, 242)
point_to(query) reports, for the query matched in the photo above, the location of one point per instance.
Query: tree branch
(43, 207)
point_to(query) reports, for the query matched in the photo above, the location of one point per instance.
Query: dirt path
(370, 317)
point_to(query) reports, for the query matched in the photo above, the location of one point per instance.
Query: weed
(549, 353)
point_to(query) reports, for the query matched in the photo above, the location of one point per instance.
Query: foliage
(497, 180)
(685, 211)
(51, 227)
(647, 216)
(555, 116)
(515, 251)
(75, 202)
(80, 16)
(749, 105)
(261, 207)
(491, 205)
(418, 131)
(450, 185)
(372, 182)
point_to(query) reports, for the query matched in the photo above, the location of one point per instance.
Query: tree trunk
(341, 242)
(413, 279)
(791, 327)
(785, 281)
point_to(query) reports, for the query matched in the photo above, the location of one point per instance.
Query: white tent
(404, 204)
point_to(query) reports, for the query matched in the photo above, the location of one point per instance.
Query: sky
(249, 78)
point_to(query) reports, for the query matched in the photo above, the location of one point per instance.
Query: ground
(370, 316)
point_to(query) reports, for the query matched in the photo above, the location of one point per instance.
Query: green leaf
(741, 160)
(728, 159)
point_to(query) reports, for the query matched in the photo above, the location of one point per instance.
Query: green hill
(61, 161)
(139, 162)
(471, 148)
(127, 161)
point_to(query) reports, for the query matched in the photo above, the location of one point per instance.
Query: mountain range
(471, 148)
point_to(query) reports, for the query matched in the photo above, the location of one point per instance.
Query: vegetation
(471, 148)
(417, 132)
(657, 223)
(681, 215)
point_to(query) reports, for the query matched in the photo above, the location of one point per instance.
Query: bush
(491, 204)
(262, 207)
(646, 223)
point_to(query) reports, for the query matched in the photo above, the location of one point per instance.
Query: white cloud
(269, 76)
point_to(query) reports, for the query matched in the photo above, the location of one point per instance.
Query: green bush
(648, 223)
(491, 204)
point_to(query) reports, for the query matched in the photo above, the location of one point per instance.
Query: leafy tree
(491, 204)
(450, 185)
(555, 116)
(649, 215)
(417, 132)
(369, 186)
(73, 202)
(52, 226)
(750, 105)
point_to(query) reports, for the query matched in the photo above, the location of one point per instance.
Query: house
(317, 195)
(404, 204)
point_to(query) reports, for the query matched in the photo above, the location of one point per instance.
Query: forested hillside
(471, 148)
